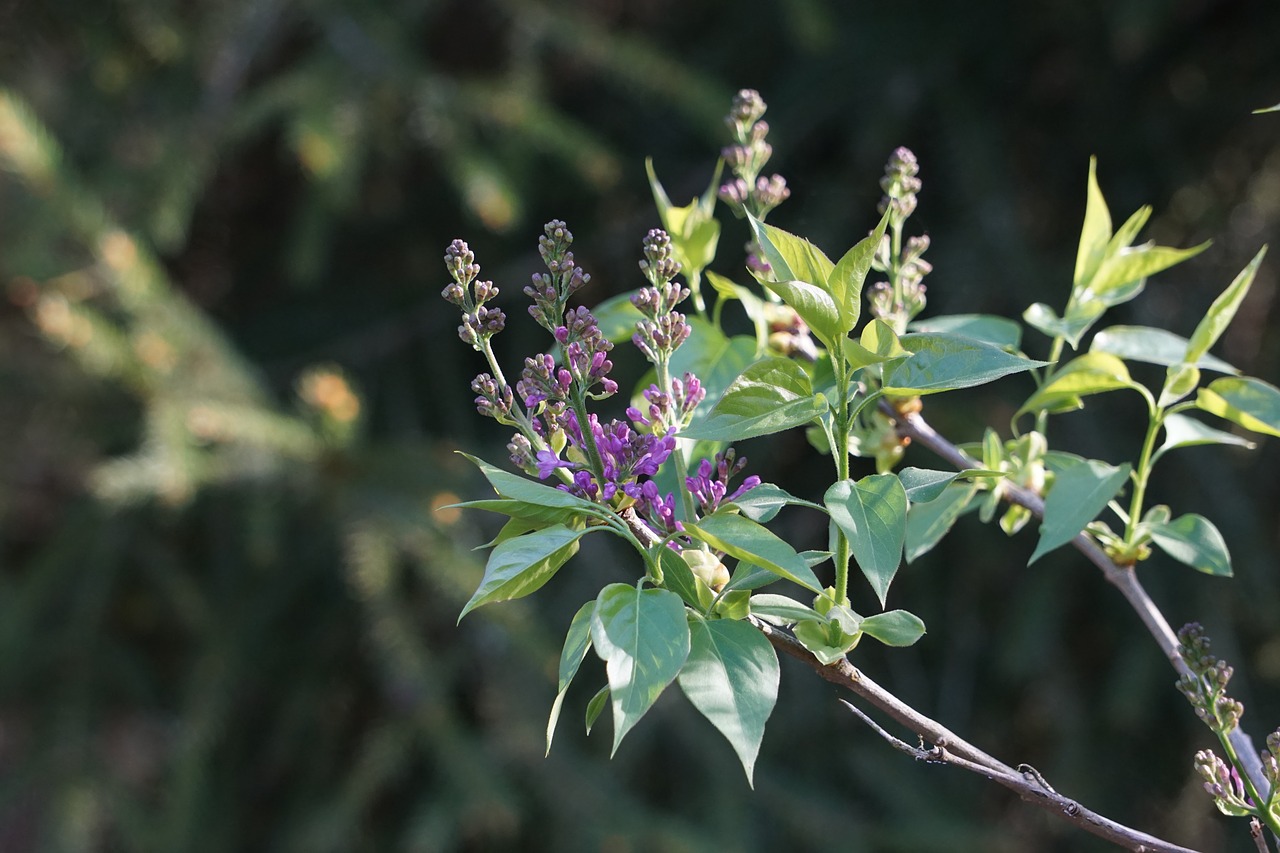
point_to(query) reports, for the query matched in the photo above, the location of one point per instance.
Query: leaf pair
(647, 639)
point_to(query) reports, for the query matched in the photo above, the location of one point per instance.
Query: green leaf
(731, 676)
(1116, 272)
(781, 610)
(1044, 319)
(791, 258)
(576, 643)
(1179, 381)
(1091, 373)
(833, 638)
(679, 578)
(928, 522)
(749, 542)
(923, 484)
(942, 362)
(1192, 539)
(536, 514)
(596, 706)
(1222, 311)
(643, 637)
(522, 565)
(815, 306)
(693, 229)
(894, 628)
(872, 512)
(1182, 431)
(846, 280)
(1079, 493)
(997, 331)
(519, 488)
(763, 502)
(1153, 346)
(1095, 233)
(1274, 109)
(617, 317)
(771, 395)
(1243, 400)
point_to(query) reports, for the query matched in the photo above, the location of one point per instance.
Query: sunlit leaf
(771, 395)
(1153, 346)
(643, 637)
(1096, 231)
(815, 306)
(522, 565)
(1243, 400)
(523, 489)
(1182, 431)
(745, 540)
(1079, 493)
(846, 280)
(1223, 310)
(872, 512)
(1091, 373)
(997, 331)
(1192, 539)
(1044, 319)
(731, 676)
(791, 258)
(763, 502)
(894, 628)
(942, 362)
(781, 610)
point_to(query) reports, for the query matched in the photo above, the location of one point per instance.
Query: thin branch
(949, 748)
(1124, 578)
(1259, 840)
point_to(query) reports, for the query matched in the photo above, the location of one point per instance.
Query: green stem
(1261, 802)
(1055, 352)
(1142, 473)
(662, 367)
(842, 423)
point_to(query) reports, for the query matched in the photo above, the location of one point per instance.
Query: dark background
(227, 617)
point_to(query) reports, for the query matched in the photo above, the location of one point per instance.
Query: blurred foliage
(229, 390)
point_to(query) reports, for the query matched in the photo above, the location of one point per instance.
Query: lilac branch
(911, 425)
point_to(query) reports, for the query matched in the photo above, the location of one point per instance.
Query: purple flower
(548, 462)
(710, 486)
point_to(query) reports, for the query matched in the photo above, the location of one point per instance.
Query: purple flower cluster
(550, 291)
(710, 486)
(668, 413)
(478, 322)
(625, 454)
(750, 191)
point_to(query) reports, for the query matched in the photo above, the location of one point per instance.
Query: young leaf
(763, 502)
(1243, 400)
(1044, 319)
(872, 512)
(1222, 311)
(815, 306)
(643, 637)
(1179, 381)
(791, 258)
(833, 638)
(522, 565)
(576, 643)
(731, 676)
(997, 331)
(752, 304)
(1192, 539)
(923, 485)
(894, 628)
(846, 280)
(1153, 346)
(771, 395)
(1079, 493)
(781, 610)
(596, 706)
(1117, 272)
(1091, 373)
(751, 543)
(928, 522)
(942, 362)
(679, 578)
(1095, 233)
(1182, 431)
(693, 229)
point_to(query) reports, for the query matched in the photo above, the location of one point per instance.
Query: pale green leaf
(1182, 431)
(731, 676)
(1044, 319)
(997, 331)
(764, 501)
(781, 610)
(769, 396)
(596, 706)
(522, 565)
(643, 637)
(942, 362)
(1243, 400)
(752, 304)
(749, 542)
(1095, 233)
(1153, 346)
(1179, 381)
(1192, 539)
(791, 258)
(1222, 311)
(815, 306)
(928, 522)
(1079, 493)
(1132, 265)
(850, 274)
(894, 628)
(1090, 373)
(872, 513)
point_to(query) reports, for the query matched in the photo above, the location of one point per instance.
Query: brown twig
(949, 748)
(1124, 578)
